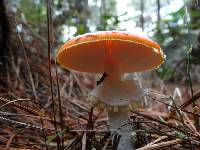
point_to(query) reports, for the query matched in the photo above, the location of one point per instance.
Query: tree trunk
(4, 44)
(142, 14)
(158, 10)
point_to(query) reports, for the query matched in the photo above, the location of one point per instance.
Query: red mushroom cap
(90, 52)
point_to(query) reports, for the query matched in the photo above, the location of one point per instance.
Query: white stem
(115, 92)
(118, 122)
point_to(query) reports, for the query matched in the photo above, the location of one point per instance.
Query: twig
(27, 64)
(155, 141)
(11, 138)
(60, 104)
(186, 103)
(25, 124)
(162, 145)
(49, 37)
(179, 113)
(189, 51)
(20, 106)
(84, 141)
(163, 123)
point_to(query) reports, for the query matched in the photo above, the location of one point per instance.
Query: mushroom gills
(118, 92)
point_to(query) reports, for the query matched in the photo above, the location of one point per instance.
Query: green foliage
(181, 135)
(172, 34)
(108, 18)
(34, 11)
(195, 19)
(53, 137)
(162, 119)
(80, 29)
(108, 22)
(165, 72)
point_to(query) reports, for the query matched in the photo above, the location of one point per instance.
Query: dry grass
(27, 116)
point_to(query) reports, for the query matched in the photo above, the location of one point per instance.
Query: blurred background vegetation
(166, 22)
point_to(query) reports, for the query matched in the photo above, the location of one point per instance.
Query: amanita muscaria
(113, 53)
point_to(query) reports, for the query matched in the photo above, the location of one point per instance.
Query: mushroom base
(119, 123)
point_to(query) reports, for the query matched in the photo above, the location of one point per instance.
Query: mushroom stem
(119, 123)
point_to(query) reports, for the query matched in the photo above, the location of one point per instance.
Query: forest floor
(28, 120)
(39, 110)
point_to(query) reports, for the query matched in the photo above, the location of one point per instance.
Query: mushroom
(113, 53)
